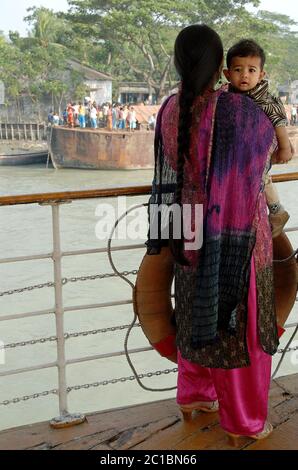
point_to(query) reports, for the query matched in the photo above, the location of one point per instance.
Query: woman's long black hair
(198, 57)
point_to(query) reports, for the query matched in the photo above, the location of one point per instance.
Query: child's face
(245, 72)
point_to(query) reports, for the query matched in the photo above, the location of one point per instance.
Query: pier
(23, 131)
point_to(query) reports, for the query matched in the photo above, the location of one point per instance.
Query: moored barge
(100, 149)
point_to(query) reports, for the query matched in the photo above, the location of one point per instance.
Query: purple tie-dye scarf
(230, 142)
(232, 175)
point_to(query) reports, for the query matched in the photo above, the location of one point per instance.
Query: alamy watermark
(177, 221)
(165, 220)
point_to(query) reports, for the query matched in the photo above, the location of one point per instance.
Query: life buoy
(152, 302)
(152, 294)
(285, 277)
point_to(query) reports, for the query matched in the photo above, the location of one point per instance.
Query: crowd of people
(90, 114)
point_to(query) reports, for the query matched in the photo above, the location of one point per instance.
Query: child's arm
(284, 152)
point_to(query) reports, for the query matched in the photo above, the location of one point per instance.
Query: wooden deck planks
(159, 426)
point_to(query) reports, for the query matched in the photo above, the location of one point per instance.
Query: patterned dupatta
(229, 148)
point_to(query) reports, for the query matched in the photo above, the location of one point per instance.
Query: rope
(286, 259)
(135, 316)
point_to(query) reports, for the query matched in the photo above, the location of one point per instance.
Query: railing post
(59, 313)
(65, 419)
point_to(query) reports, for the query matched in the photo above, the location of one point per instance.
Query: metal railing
(54, 200)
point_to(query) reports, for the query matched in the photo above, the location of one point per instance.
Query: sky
(12, 12)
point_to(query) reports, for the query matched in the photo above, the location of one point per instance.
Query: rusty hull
(101, 149)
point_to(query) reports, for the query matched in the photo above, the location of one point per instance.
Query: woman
(109, 118)
(131, 118)
(70, 115)
(211, 149)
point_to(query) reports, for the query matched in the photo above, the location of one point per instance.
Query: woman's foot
(205, 406)
(234, 439)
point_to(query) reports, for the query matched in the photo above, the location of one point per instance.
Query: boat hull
(23, 159)
(101, 149)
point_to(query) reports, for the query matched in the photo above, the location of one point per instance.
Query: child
(245, 62)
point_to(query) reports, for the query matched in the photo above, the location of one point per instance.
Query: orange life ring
(152, 294)
(285, 278)
(152, 302)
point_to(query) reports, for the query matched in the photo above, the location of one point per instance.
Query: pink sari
(243, 392)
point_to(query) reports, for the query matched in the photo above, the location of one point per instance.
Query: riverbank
(14, 147)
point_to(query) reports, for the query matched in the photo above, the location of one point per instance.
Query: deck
(158, 426)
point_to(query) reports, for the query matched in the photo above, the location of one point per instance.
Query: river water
(27, 230)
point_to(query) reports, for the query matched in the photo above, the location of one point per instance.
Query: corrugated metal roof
(143, 112)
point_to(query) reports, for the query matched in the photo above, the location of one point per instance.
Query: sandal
(235, 438)
(205, 406)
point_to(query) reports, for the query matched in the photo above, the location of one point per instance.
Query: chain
(30, 342)
(30, 397)
(65, 280)
(97, 276)
(122, 379)
(29, 288)
(66, 336)
(280, 351)
(95, 332)
(86, 386)
(102, 383)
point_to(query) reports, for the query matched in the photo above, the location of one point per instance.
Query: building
(98, 83)
(289, 92)
(136, 92)
(23, 109)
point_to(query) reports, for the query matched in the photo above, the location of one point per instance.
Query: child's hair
(246, 48)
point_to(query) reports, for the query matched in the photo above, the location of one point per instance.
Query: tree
(46, 27)
(133, 41)
(11, 61)
(281, 46)
(139, 34)
(44, 57)
(272, 31)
